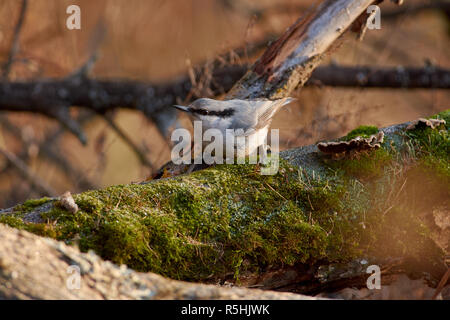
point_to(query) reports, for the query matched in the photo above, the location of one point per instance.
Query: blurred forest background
(158, 41)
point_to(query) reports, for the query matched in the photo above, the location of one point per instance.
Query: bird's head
(205, 108)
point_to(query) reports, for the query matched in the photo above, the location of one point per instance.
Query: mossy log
(316, 225)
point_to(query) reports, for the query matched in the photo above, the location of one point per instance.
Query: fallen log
(32, 267)
(313, 227)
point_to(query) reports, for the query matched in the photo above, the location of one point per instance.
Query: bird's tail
(285, 101)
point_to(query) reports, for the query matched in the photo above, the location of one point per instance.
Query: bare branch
(62, 114)
(46, 148)
(411, 7)
(27, 174)
(39, 276)
(15, 42)
(136, 149)
(373, 77)
(106, 95)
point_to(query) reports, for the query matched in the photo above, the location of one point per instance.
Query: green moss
(444, 115)
(361, 131)
(230, 219)
(366, 165)
(15, 221)
(432, 146)
(216, 221)
(31, 204)
(12, 221)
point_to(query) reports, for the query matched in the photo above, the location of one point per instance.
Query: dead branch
(307, 278)
(429, 77)
(105, 95)
(266, 12)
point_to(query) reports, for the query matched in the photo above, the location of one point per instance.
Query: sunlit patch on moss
(361, 131)
(432, 146)
(12, 220)
(31, 204)
(367, 165)
(15, 221)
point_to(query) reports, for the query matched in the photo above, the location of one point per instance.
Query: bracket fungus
(423, 123)
(340, 149)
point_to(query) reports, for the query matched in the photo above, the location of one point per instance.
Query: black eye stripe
(223, 113)
(200, 111)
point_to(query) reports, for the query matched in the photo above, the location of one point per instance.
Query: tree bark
(32, 267)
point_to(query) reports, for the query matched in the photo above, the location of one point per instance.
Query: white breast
(246, 145)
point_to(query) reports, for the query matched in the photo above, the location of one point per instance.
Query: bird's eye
(201, 111)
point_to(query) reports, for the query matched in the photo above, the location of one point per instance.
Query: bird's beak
(182, 108)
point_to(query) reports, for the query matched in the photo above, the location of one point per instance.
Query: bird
(249, 119)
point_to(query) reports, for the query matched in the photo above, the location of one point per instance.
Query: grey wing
(266, 112)
(246, 117)
(257, 114)
(267, 109)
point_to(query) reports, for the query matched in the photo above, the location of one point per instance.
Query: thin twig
(270, 187)
(139, 153)
(46, 149)
(27, 173)
(15, 42)
(441, 284)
